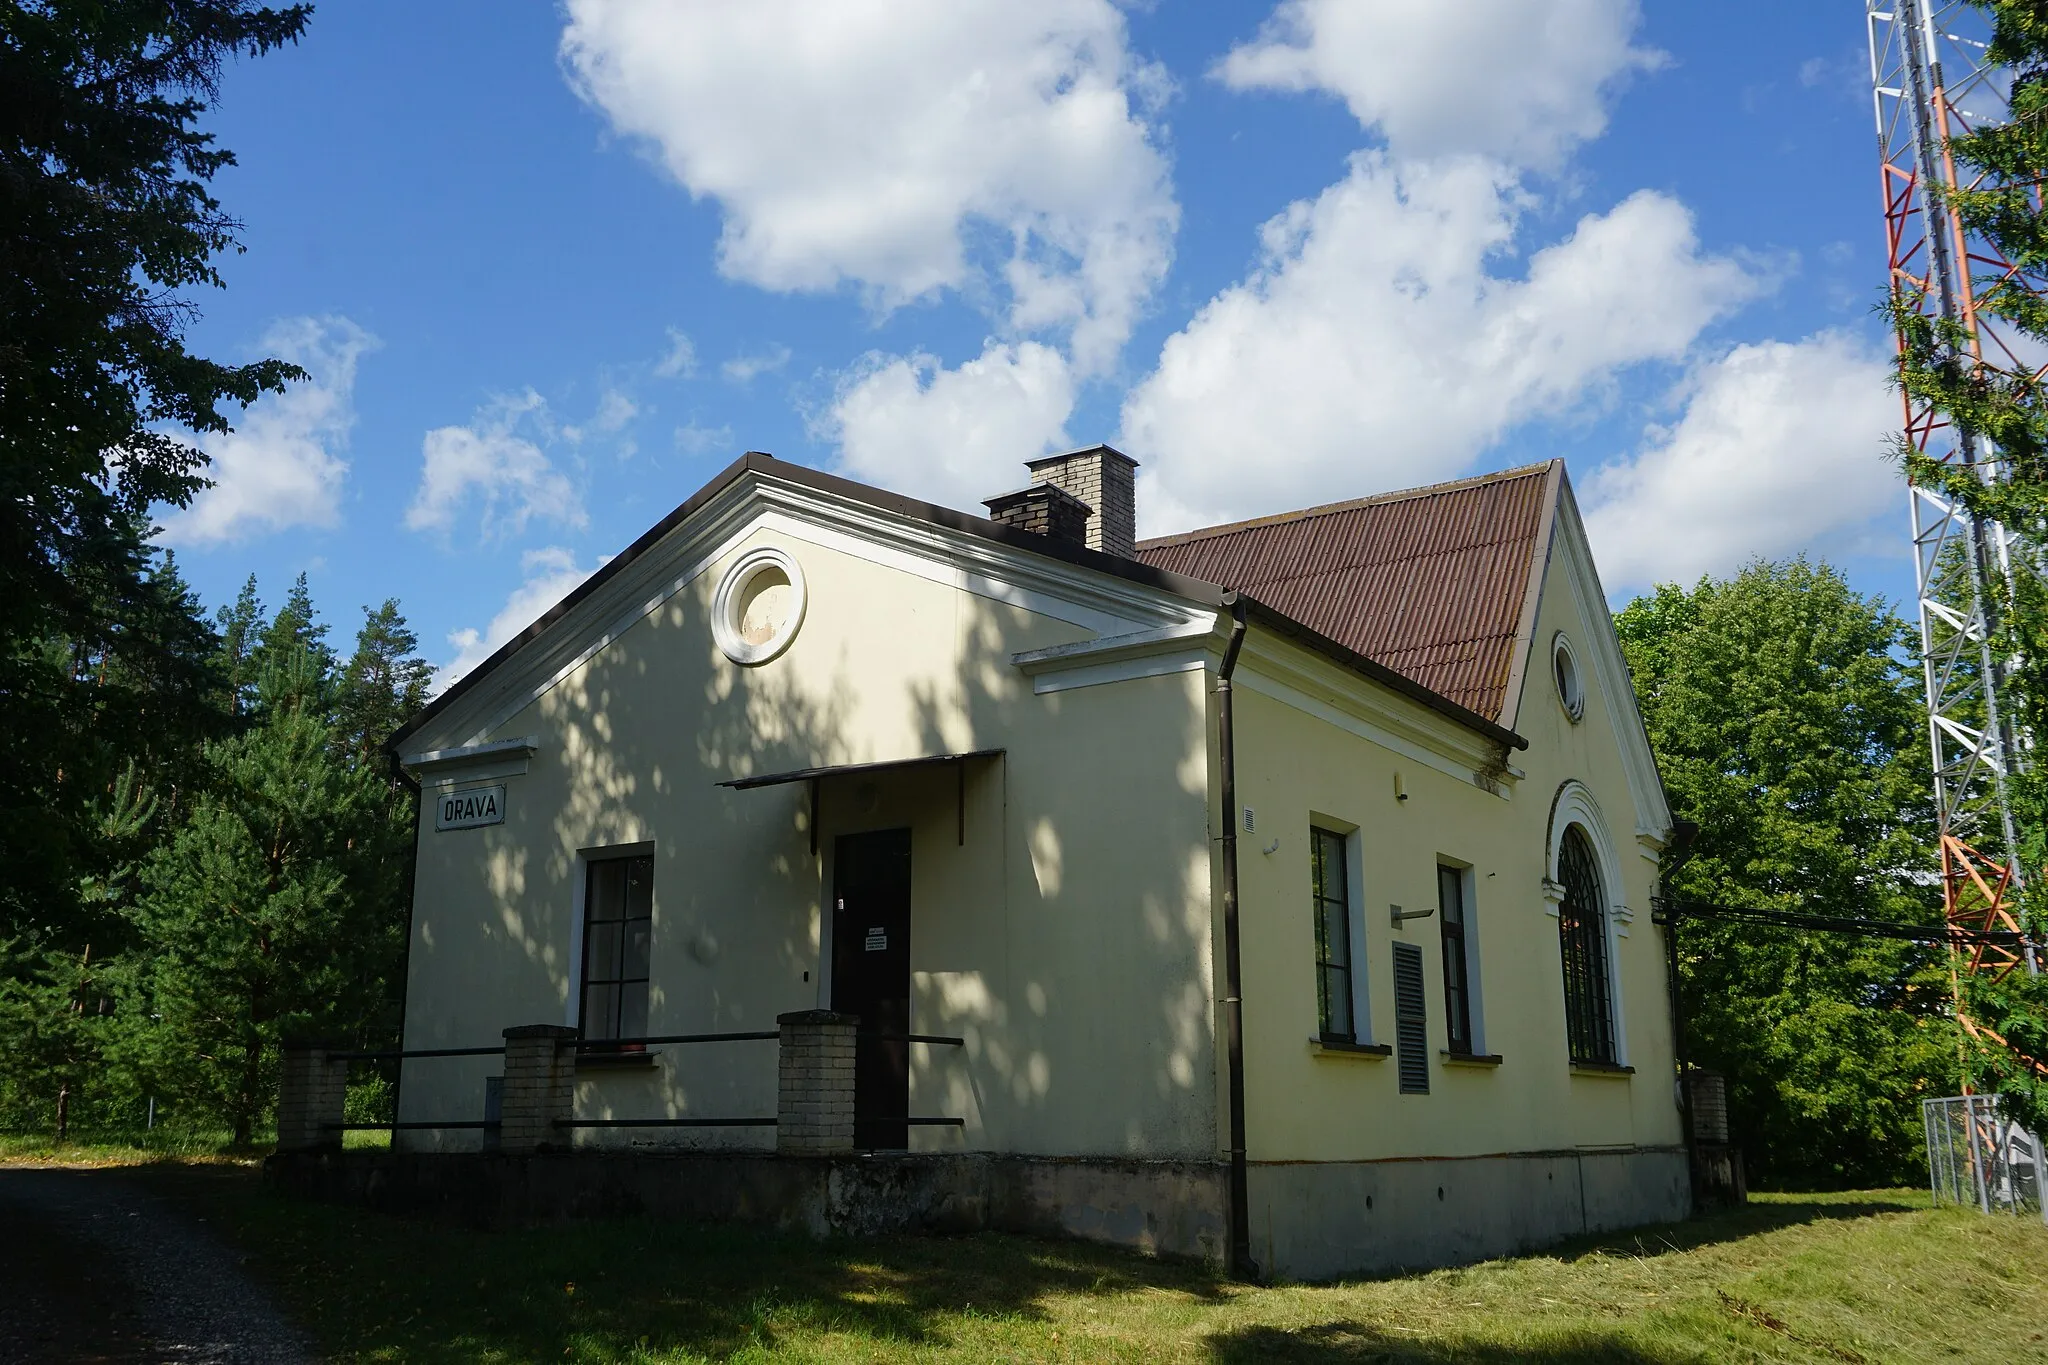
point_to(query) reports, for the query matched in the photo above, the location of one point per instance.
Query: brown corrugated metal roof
(1433, 582)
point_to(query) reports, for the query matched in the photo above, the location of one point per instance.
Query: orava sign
(471, 808)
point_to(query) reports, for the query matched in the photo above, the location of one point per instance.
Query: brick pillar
(814, 1076)
(312, 1087)
(540, 1087)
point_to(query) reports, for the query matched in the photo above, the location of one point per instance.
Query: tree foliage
(1787, 726)
(106, 226)
(270, 897)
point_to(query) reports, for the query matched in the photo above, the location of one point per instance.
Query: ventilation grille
(1411, 1021)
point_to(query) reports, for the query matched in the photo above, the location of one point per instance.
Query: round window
(1570, 691)
(758, 606)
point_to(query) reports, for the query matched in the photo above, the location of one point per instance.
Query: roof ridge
(1351, 504)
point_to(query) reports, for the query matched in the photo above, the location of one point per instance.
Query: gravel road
(95, 1267)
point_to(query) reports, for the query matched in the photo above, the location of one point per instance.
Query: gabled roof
(1219, 593)
(1439, 584)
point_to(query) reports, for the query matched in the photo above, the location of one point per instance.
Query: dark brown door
(871, 978)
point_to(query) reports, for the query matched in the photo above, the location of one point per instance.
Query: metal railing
(623, 1048)
(394, 1054)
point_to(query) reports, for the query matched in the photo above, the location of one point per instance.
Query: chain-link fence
(1977, 1157)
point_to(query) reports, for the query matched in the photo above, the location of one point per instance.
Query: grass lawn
(1873, 1276)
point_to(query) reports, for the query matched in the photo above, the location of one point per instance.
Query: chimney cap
(1049, 491)
(1034, 465)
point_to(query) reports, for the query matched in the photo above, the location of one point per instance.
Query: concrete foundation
(1320, 1220)
(1166, 1207)
(1310, 1220)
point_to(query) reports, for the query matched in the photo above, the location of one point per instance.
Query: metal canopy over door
(871, 978)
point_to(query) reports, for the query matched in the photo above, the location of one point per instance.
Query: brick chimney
(1043, 509)
(1105, 479)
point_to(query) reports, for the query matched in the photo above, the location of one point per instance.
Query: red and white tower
(1931, 81)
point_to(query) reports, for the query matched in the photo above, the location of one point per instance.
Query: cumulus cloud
(491, 466)
(904, 147)
(1380, 344)
(953, 436)
(1503, 78)
(551, 575)
(1781, 448)
(281, 467)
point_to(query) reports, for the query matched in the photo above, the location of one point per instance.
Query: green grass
(159, 1144)
(1874, 1276)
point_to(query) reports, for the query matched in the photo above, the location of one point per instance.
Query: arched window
(1582, 930)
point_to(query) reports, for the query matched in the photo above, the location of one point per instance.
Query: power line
(1668, 912)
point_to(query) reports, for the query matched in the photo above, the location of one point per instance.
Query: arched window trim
(1574, 805)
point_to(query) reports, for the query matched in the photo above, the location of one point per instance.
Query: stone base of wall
(1174, 1208)
(1310, 1220)
(1319, 1220)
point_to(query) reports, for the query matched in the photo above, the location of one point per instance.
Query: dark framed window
(1332, 897)
(618, 922)
(1582, 931)
(1411, 1020)
(1453, 921)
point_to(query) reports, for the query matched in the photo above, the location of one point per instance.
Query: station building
(997, 786)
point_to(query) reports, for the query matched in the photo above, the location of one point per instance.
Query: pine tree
(239, 626)
(253, 910)
(105, 225)
(384, 684)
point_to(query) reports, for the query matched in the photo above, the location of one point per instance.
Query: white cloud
(281, 466)
(1509, 79)
(615, 411)
(893, 144)
(681, 360)
(1781, 448)
(551, 574)
(1378, 344)
(693, 439)
(953, 436)
(490, 463)
(744, 369)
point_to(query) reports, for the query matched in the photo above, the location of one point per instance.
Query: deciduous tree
(1787, 724)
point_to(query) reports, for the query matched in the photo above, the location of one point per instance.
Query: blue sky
(551, 268)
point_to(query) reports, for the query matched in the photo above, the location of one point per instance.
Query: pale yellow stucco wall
(1070, 938)
(1066, 940)
(1309, 1104)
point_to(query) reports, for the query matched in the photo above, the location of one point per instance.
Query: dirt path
(95, 1267)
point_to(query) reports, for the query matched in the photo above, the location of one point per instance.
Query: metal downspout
(1241, 1263)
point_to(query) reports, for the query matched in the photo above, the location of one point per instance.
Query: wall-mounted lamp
(1398, 914)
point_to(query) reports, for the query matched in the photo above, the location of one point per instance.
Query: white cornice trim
(503, 758)
(1319, 687)
(1179, 648)
(1098, 602)
(1603, 646)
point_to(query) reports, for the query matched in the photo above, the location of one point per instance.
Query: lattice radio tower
(1931, 81)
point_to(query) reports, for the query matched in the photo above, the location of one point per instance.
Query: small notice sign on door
(471, 808)
(877, 941)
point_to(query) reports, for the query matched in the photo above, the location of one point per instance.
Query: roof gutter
(1241, 1263)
